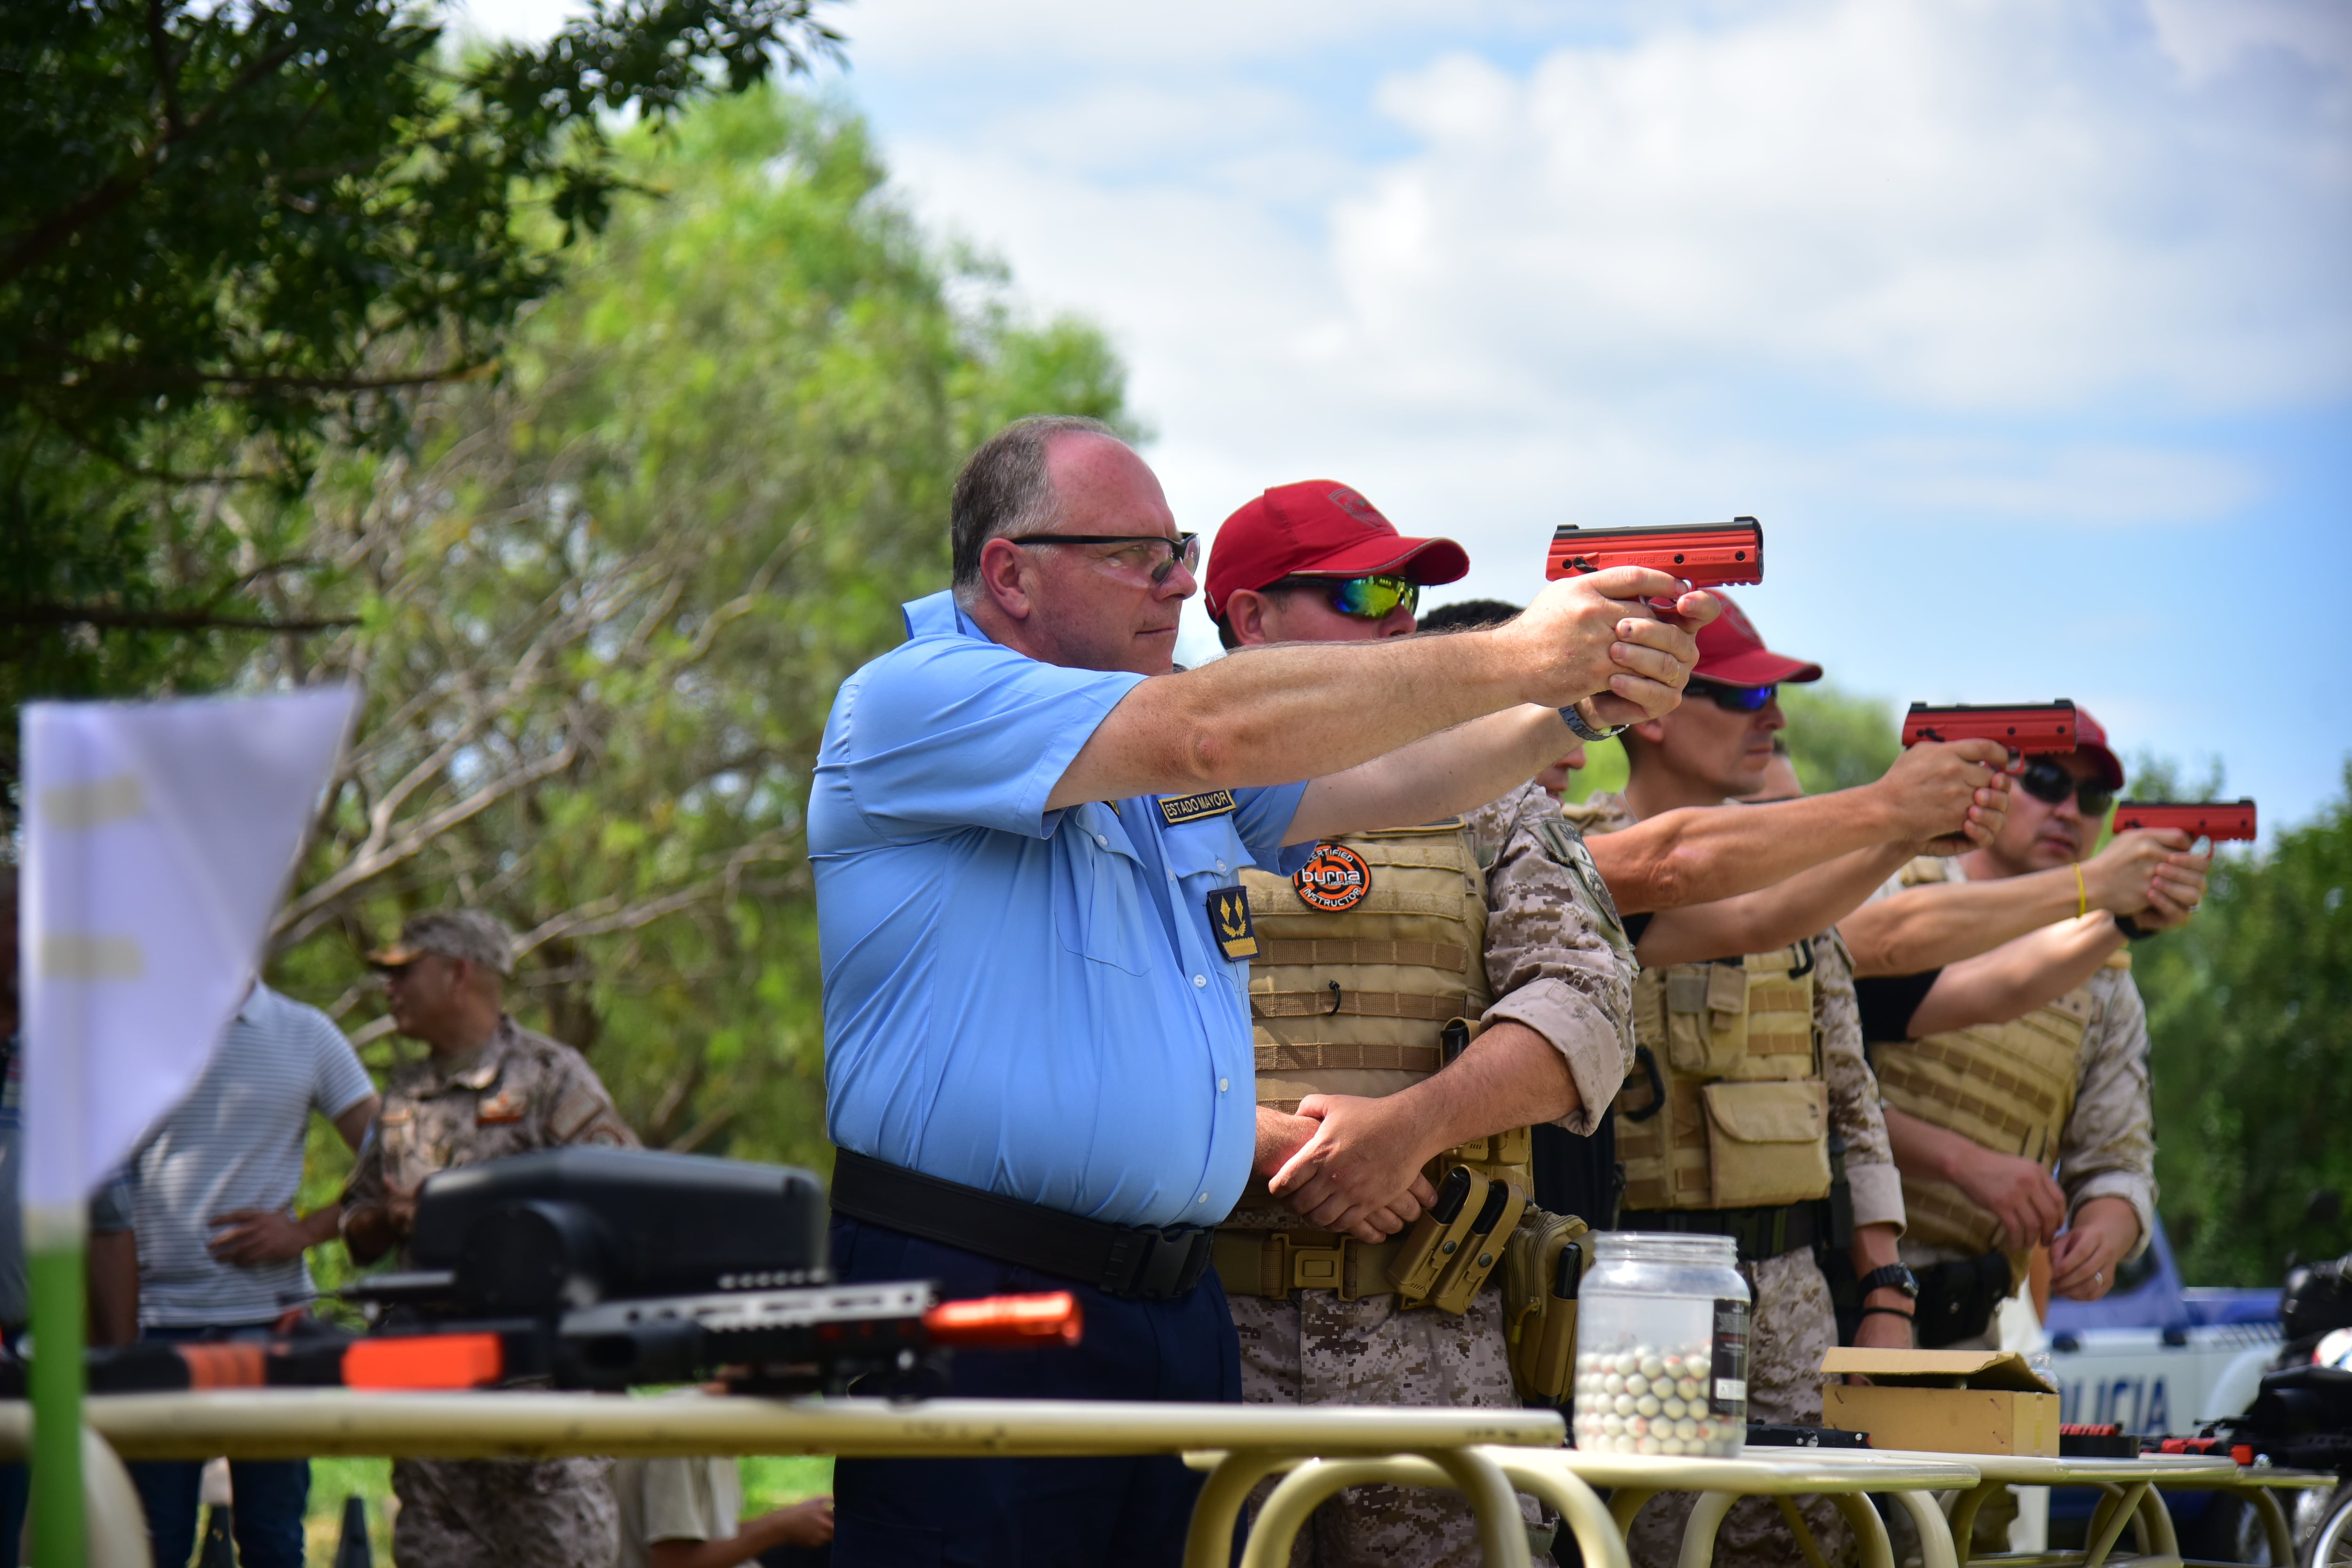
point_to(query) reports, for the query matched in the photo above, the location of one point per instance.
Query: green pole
(55, 1241)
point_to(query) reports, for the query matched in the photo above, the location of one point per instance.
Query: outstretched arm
(1940, 923)
(1303, 710)
(2017, 976)
(1771, 916)
(1700, 854)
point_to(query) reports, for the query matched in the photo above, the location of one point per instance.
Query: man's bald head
(1009, 487)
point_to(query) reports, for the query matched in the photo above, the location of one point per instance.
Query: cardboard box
(1946, 1402)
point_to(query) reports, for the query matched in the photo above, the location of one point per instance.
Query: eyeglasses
(1371, 597)
(1184, 547)
(1732, 698)
(2046, 781)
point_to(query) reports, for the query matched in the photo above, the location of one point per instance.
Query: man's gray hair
(1004, 488)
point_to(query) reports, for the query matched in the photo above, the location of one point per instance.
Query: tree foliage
(2250, 1017)
(232, 231)
(602, 604)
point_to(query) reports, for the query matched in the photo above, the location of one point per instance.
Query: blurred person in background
(113, 1262)
(689, 1513)
(486, 1088)
(220, 1248)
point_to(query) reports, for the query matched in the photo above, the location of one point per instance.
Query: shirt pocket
(1201, 856)
(1098, 908)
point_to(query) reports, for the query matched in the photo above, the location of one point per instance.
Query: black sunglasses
(1733, 699)
(1184, 547)
(2048, 782)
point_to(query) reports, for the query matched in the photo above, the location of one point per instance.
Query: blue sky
(2025, 329)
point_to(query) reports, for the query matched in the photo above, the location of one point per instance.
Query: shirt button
(1101, 842)
(1172, 875)
(1204, 1197)
(1223, 1084)
(1200, 980)
(1221, 867)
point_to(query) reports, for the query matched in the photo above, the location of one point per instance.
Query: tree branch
(115, 618)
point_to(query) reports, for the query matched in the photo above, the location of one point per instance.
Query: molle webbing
(1357, 1057)
(1337, 994)
(1744, 1121)
(2008, 1087)
(1345, 1004)
(1418, 955)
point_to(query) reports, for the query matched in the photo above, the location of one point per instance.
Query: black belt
(1760, 1233)
(1142, 1262)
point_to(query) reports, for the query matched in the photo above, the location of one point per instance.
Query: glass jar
(1662, 1346)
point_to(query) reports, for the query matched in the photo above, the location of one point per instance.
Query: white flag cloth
(159, 838)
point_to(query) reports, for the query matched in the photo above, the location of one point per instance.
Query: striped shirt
(235, 1143)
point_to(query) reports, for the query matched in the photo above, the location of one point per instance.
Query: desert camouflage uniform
(520, 1091)
(2108, 1148)
(1793, 1323)
(1556, 959)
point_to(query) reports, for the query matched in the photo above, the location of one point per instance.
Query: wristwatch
(1892, 1277)
(1585, 731)
(2133, 930)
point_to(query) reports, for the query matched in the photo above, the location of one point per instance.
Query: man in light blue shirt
(1027, 835)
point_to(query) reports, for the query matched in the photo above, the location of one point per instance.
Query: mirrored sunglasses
(1732, 698)
(1371, 597)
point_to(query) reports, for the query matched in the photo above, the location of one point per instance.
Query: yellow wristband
(2082, 894)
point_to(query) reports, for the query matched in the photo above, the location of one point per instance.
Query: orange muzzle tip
(425, 1361)
(1007, 1322)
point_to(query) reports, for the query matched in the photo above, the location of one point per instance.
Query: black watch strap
(2133, 930)
(1891, 1276)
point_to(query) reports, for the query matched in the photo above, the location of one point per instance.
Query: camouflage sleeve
(1855, 1110)
(1552, 968)
(2108, 1148)
(579, 1110)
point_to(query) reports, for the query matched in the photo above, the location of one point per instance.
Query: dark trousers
(270, 1494)
(1036, 1513)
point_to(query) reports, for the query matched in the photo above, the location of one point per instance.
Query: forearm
(2018, 976)
(369, 1233)
(1699, 855)
(1439, 775)
(1804, 905)
(112, 1269)
(1277, 714)
(1508, 1077)
(1941, 923)
(321, 1226)
(725, 1552)
(1924, 1151)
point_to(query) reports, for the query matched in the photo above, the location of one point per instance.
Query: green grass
(768, 1483)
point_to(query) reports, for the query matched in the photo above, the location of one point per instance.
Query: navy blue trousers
(270, 1494)
(1036, 1513)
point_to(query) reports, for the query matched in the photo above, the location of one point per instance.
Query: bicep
(1138, 747)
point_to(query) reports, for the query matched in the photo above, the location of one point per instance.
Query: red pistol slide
(1707, 555)
(2029, 728)
(2216, 819)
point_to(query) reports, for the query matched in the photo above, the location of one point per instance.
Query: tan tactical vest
(1359, 1000)
(2010, 1088)
(1745, 1121)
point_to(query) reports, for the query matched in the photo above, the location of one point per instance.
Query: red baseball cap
(2091, 740)
(1319, 528)
(1732, 652)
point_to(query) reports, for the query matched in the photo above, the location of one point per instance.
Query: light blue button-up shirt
(1027, 1001)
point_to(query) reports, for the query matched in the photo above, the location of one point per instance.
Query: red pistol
(2029, 728)
(2215, 819)
(1708, 555)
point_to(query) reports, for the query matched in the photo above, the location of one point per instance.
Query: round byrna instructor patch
(1335, 879)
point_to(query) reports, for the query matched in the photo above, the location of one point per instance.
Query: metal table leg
(1502, 1533)
(2274, 1517)
(1794, 1518)
(1964, 1518)
(1578, 1505)
(1623, 1504)
(2104, 1540)
(1698, 1535)
(1937, 1548)
(1208, 1541)
(1877, 1551)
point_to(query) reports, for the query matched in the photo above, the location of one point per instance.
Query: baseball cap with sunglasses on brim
(1318, 532)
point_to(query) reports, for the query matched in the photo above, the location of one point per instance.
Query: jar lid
(1664, 1247)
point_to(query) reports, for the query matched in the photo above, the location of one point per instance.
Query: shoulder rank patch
(1181, 808)
(502, 1109)
(1229, 918)
(1334, 881)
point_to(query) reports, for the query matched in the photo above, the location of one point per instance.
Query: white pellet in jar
(1661, 1359)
